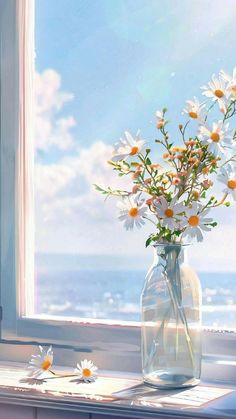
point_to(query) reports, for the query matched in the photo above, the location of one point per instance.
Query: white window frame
(112, 344)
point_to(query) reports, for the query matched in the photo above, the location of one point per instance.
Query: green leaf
(148, 161)
(112, 163)
(214, 224)
(99, 189)
(148, 241)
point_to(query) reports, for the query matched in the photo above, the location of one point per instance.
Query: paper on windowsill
(191, 397)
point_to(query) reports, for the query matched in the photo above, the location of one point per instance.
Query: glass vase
(171, 320)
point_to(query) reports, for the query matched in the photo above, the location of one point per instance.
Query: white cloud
(83, 168)
(69, 206)
(50, 129)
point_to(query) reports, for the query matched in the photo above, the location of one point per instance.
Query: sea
(115, 294)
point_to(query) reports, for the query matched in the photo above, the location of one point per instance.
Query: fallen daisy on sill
(86, 371)
(40, 363)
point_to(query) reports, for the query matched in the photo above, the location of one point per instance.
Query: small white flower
(128, 146)
(194, 109)
(228, 177)
(86, 371)
(132, 211)
(217, 90)
(195, 222)
(231, 80)
(160, 116)
(41, 362)
(169, 212)
(217, 138)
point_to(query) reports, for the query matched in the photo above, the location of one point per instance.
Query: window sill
(121, 396)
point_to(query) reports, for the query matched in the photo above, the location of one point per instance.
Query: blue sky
(121, 60)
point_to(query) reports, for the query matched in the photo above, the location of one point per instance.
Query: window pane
(104, 67)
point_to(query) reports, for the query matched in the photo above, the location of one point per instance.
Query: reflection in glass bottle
(171, 320)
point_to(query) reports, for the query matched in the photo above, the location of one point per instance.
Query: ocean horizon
(89, 292)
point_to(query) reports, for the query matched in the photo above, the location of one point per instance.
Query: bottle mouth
(167, 244)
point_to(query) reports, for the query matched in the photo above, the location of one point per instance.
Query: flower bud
(207, 184)
(155, 166)
(149, 201)
(136, 174)
(176, 181)
(190, 142)
(205, 170)
(148, 181)
(135, 189)
(160, 124)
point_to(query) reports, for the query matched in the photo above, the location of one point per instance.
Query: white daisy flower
(160, 116)
(194, 109)
(86, 371)
(128, 146)
(231, 80)
(217, 138)
(169, 211)
(41, 362)
(132, 212)
(195, 222)
(228, 177)
(217, 90)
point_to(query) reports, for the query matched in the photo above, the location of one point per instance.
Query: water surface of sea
(112, 294)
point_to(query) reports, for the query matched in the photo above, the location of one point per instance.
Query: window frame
(113, 345)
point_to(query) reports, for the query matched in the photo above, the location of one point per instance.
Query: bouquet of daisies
(176, 194)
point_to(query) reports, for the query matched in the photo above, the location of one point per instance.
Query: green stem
(176, 297)
(177, 336)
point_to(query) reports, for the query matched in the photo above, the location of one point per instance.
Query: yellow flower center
(46, 364)
(219, 93)
(193, 220)
(231, 184)
(195, 194)
(134, 150)
(215, 137)
(169, 213)
(133, 212)
(193, 114)
(87, 372)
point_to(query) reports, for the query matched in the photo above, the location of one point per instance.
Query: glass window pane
(101, 68)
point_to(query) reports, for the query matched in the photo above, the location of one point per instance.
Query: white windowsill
(140, 402)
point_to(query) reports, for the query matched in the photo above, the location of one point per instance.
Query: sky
(104, 67)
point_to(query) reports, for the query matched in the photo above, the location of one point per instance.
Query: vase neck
(170, 253)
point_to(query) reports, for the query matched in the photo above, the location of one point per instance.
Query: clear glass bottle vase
(171, 320)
